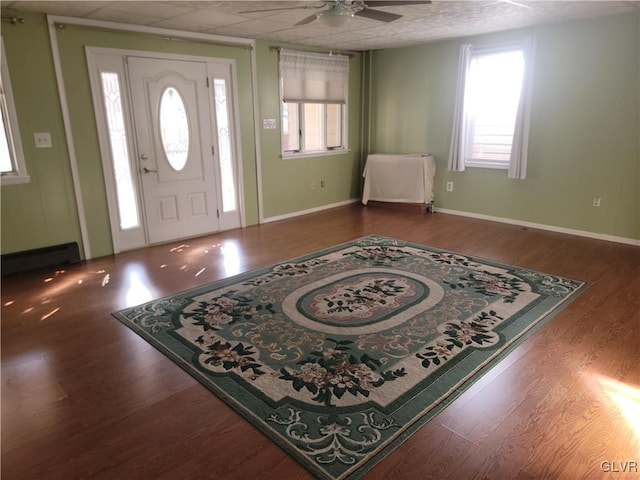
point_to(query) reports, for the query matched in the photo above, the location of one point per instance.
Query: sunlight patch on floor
(231, 258)
(626, 399)
(137, 282)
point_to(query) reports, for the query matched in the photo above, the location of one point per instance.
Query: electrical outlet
(42, 139)
(449, 186)
(322, 184)
(596, 201)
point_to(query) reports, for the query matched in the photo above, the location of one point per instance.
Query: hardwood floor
(85, 397)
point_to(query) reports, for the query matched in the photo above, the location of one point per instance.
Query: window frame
(341, 130)
(322, 125)
(308, 90)
(19, 173)
(469, 124)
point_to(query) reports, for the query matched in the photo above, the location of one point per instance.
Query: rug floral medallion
(338, 356)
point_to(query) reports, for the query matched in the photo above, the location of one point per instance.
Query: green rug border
(418, 422)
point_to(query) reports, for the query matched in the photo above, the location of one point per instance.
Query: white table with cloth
(399, 178)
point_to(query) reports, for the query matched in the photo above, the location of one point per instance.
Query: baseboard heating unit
(55, 255)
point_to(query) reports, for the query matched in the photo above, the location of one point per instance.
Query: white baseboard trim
(311, 210)
(541, 226)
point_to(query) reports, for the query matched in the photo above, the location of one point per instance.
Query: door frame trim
(58, 22)
(91, 54)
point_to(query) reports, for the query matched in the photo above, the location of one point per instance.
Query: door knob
(148, 170)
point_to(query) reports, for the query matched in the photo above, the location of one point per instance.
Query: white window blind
(314, 77)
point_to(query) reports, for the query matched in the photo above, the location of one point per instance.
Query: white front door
(175, 171)
(174, 131)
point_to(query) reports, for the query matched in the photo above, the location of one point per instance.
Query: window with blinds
(314, 89)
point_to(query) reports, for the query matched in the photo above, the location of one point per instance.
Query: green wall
(584, 131)
(287, 184)
(584, 134)
(43, 212)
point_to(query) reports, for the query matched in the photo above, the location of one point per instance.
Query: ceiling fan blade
(270, 10)
(391, 3)
(516, 4)
(378, 15)
(308, 20)
(301, 7)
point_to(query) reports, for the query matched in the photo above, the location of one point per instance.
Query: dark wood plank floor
(85, 397)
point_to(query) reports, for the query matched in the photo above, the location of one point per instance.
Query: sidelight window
(227, 175)
(112, 98)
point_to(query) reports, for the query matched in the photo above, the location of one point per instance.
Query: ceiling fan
(336, 13)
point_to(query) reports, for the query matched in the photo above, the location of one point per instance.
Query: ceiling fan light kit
(336, 16)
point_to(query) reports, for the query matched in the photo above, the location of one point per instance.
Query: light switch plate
(269, 123)
(42, 139)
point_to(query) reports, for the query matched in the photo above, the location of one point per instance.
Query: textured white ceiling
(419, 24)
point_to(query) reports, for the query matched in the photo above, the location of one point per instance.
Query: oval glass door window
(174, 128)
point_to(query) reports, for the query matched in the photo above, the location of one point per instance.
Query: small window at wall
(492, 94)
(314, 90)
(12, 165)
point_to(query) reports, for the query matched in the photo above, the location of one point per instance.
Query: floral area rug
(339, 355)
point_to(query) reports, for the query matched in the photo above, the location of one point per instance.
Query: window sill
(325, 153)
(14, 179)
(486, 164)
